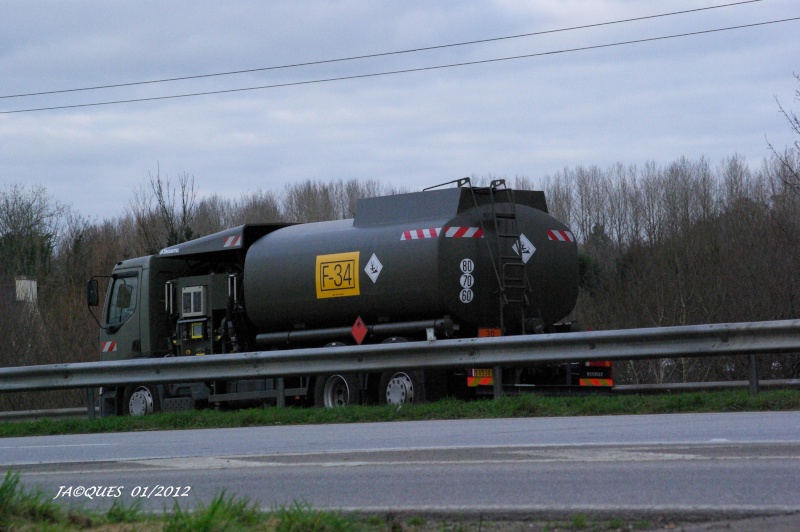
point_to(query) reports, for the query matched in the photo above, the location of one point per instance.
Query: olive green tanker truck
(455, 262)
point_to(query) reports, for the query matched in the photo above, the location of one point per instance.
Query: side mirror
(92, 298)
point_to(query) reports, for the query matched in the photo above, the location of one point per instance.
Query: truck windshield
(123, 300)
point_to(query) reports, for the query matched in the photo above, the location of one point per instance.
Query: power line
(405, 71)
(380, 54)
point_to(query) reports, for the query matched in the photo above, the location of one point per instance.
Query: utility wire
(370, 56)
(405, 71)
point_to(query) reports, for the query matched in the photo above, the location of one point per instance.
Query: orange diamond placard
(359, 330)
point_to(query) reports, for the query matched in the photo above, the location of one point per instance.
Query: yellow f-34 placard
(337, 275)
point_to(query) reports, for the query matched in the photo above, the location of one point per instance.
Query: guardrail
(700, 386)
(631, 344)
(51, 413)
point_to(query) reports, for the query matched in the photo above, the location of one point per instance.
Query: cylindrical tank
(411, 257)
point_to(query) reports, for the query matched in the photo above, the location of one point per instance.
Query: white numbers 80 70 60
(467, 280)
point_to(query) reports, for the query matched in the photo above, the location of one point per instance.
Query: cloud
(709, 96)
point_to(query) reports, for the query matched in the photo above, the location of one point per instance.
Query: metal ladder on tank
(509, 264)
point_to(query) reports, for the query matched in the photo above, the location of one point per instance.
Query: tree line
(685, 244)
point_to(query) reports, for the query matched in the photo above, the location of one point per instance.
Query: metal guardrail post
(90, 402)
(281, 392)
(497, 374)
(753, 374)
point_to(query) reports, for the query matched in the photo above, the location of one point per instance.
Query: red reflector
(474, 382)
(597, 382)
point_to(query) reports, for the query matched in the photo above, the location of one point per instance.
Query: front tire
(140, 400)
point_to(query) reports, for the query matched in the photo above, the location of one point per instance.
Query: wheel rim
(337, 392)
(141, 402)
(400, 389)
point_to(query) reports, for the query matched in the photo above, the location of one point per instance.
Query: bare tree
(30, 222)
(790, 157)
(315, 201)
(45, 240)
(256, 207)
(163, 213)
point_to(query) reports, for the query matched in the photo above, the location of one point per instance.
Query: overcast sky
(709, 95)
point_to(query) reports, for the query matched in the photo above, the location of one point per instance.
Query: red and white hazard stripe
(560, 236)
(108, 347)
(449, 232)
(419, 234)
(232, 241)
(463, 232)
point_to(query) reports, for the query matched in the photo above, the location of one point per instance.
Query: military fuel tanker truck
(454, 262)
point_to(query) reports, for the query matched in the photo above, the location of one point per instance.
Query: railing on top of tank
(726, 339)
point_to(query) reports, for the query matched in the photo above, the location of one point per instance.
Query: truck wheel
(331, 391)
(140, 400)
(401, 387)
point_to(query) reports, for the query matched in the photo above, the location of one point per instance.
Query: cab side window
(123, 300)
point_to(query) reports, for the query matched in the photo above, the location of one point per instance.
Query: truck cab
(134, 324)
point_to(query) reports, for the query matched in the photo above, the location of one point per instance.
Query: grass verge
(21, 509)
(511, 406)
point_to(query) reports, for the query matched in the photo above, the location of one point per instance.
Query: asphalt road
(724, 464)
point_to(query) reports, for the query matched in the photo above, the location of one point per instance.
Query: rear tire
(332, 391)
(402, 387)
